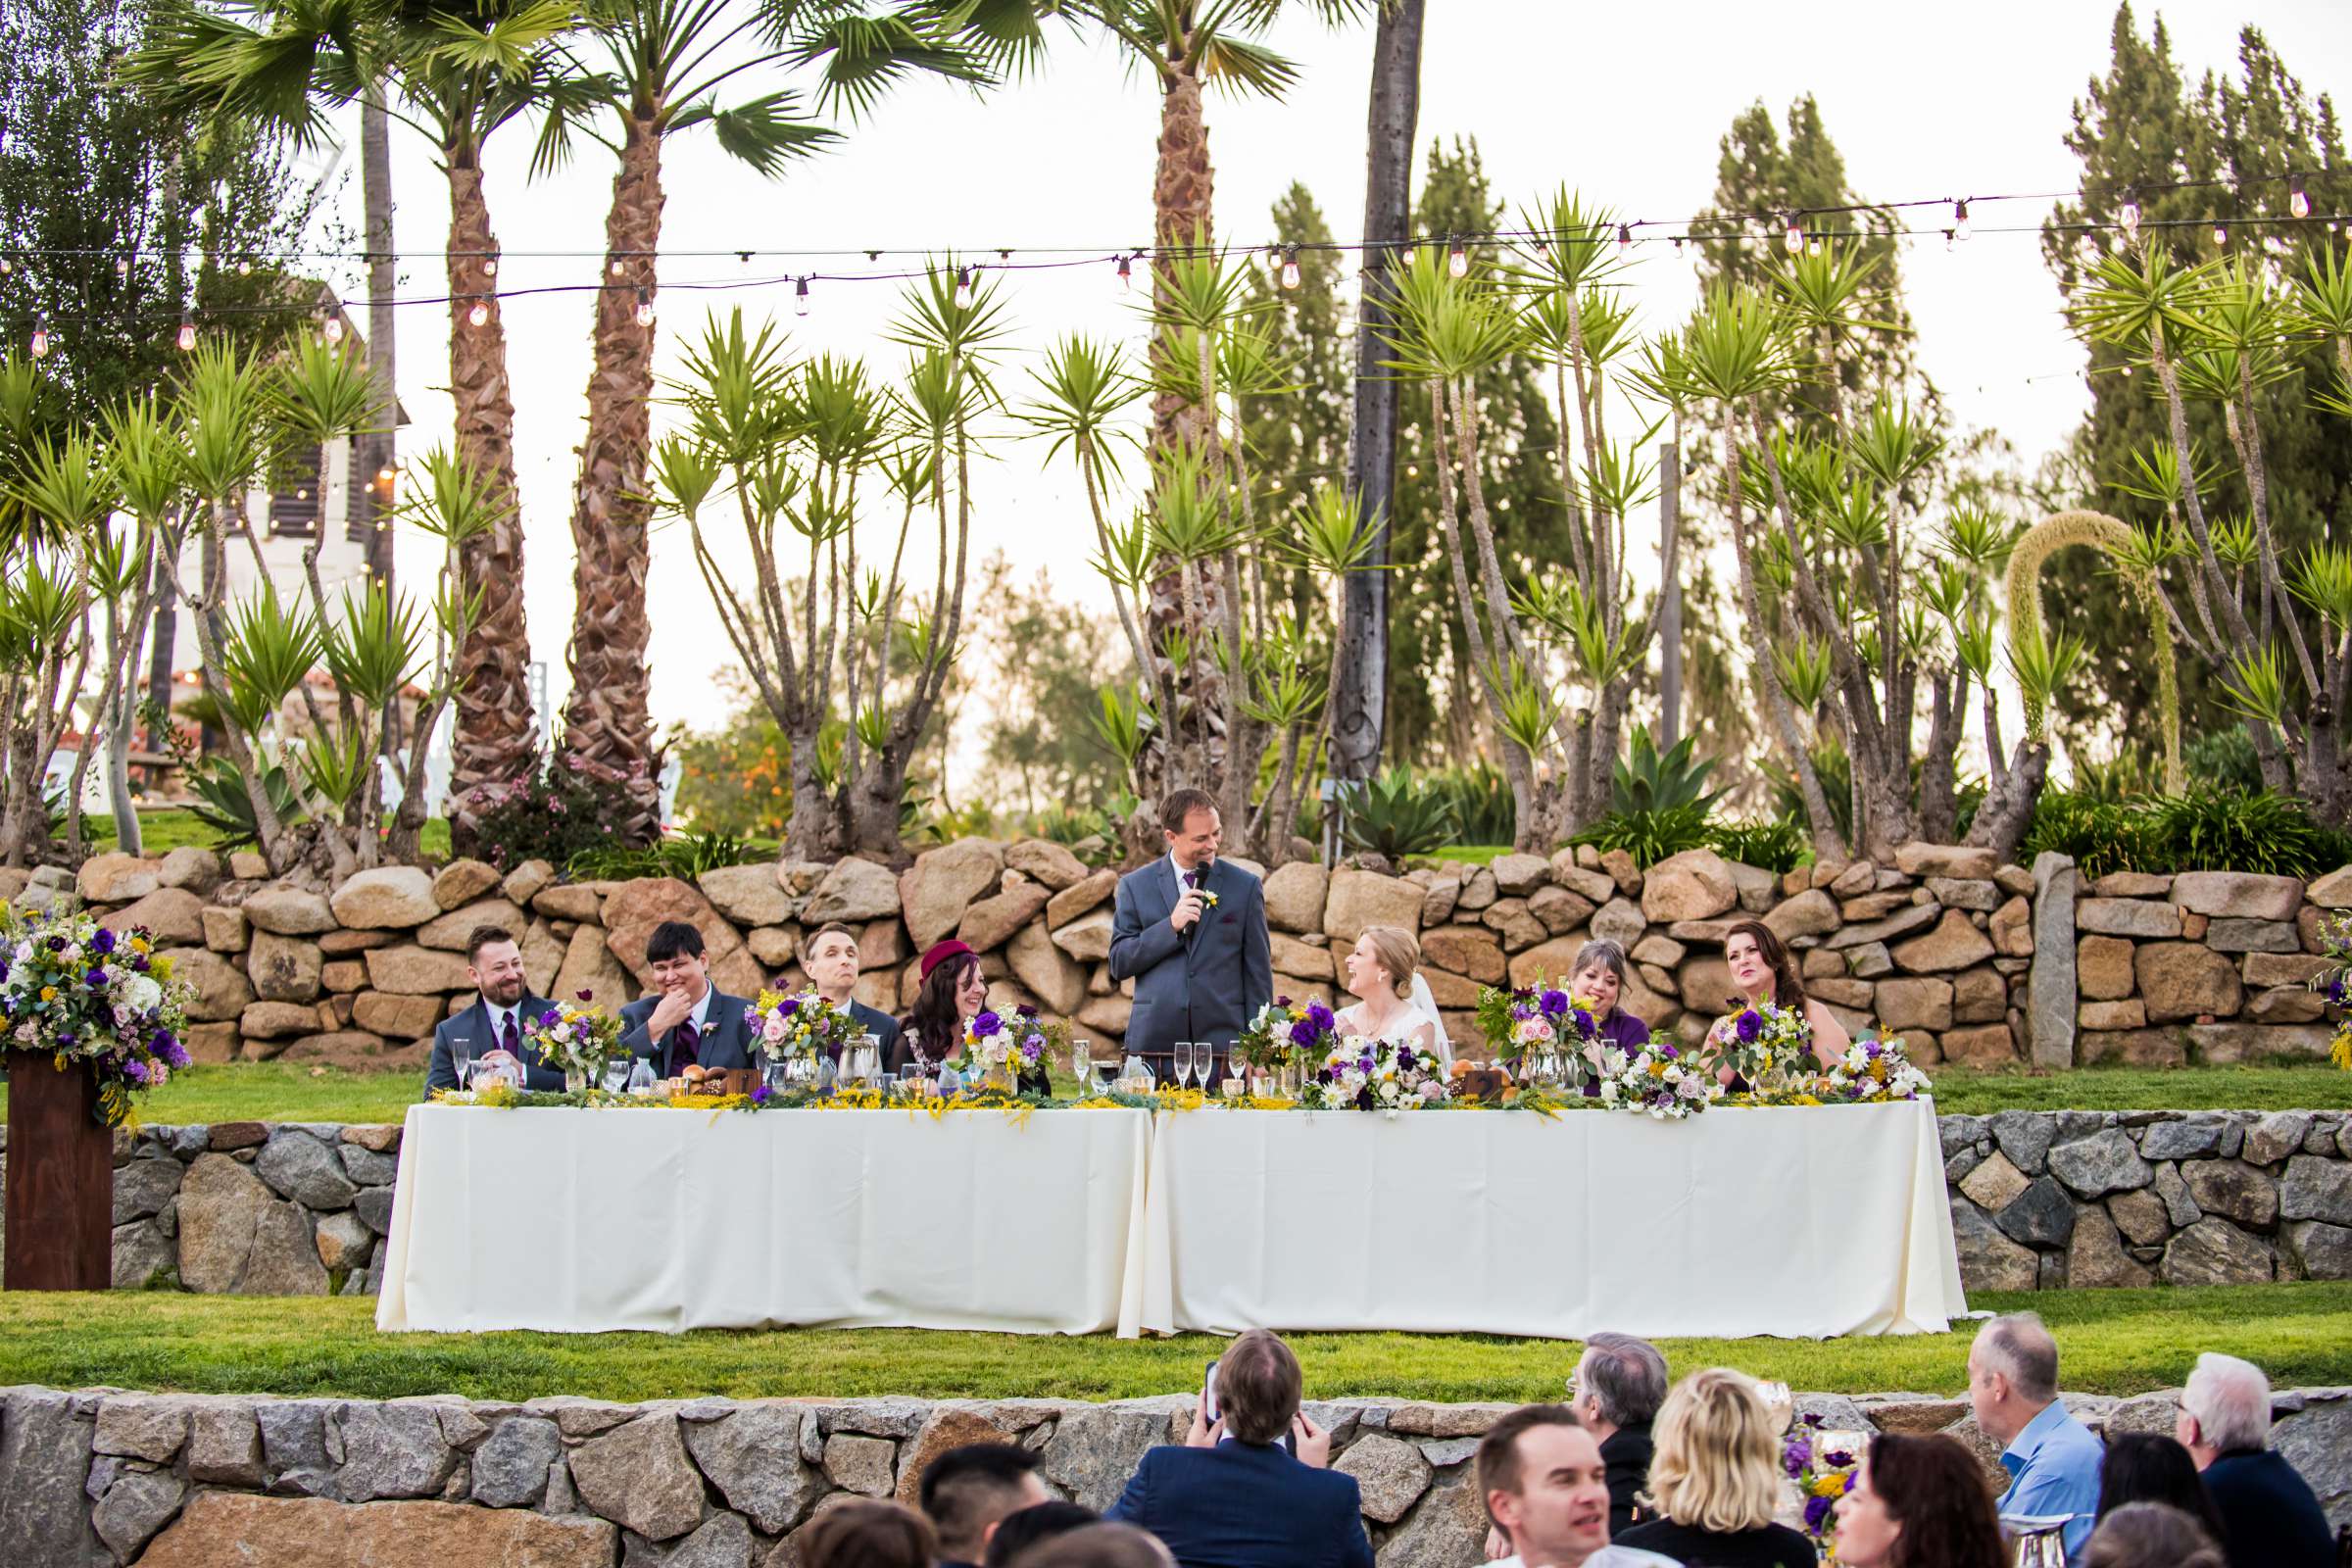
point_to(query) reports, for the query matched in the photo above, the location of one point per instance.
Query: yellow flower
(1657, 1069)
(1831, 1484)
(138, 945)
(48, 993)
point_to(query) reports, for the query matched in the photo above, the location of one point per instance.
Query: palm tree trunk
(1361, 715)
(608, 718)
(496, 736)
(1183, 187)
(373, 449)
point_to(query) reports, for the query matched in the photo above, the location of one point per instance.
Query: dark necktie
(683, 1040)
(510, 1040)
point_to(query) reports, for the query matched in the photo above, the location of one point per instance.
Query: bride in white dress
(1384, 969)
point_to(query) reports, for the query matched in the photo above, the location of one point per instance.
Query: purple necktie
(683, 1040)
(512, 1039)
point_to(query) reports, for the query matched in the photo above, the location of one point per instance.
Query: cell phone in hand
(1209, 1394)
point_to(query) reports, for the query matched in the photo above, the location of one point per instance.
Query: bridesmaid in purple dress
(1600, 975)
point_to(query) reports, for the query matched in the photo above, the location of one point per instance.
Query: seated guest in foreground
(1232, 1495)
(1545, 1488)
(1619, 1384)
(2052, 1459)
(2265, 1508)
(1716, 1479)
(868, 1534)
(1033, 1526)
(2153, 1534)
(685, 1021)
(1101, 1546)
(829, 954)
(1384, 968)
(503, 1007)
(1919, 1502)
(969, 1491)
(1763, 970)
(2150, 1467)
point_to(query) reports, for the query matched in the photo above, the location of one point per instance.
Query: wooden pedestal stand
(60, 1178)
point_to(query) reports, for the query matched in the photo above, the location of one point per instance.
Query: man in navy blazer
(503, 1008)
(685, 1021)
(2268, 1508)
(829, 954)
(1191, 931)
(1232, 1496)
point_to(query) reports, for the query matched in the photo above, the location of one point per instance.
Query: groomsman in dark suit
(685, 1021)
(503, 1007)
(1191, 931)
(830, 956)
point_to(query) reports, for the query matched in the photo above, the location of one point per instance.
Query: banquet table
(1798, 1222)
(582, 1220)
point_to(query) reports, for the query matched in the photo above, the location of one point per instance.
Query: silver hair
(2019, 1346)
(1626, 1376)
(2231, 1402)
(1611, 955)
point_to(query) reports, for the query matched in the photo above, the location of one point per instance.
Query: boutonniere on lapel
(1209, 899)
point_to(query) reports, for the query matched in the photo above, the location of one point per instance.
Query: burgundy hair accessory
(942, 953)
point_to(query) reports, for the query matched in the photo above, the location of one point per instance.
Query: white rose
(140, 991)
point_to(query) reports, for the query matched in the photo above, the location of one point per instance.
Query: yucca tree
(663, 64)
(458, 72)
(65, 496)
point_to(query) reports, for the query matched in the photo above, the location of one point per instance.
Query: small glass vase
(575, 1080)
(998, 1080)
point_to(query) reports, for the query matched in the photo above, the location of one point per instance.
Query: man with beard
(503, 1008)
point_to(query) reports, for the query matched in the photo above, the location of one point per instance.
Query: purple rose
(1817, 1509)
(988, 1023)
(135, 1070)
(1319, 1016)
(1556, 1003)
(1749, 1026)
(1282, 1002)
(551, 1017)
(584, 993)
(759, 1095)
(1026, 1010)
(103, 941)
(1583, 1021)
(788, 1006)
(1796, 1456)
(1302, 1033)
(173, 1052)
(1873, 1048)
(57, 944)
(1669, 1053)
(96, 979)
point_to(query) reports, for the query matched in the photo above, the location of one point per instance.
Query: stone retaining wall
(101, 1477)
(2041, 1200)
(1970, 961)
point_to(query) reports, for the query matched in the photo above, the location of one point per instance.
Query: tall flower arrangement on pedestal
(74, 991)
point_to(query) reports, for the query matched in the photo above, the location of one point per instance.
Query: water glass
(1184, 1063)
(827, 1075)
(911, 1079)
(616, 1077)
(951, 1082)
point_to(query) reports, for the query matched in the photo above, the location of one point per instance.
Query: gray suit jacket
(1206, 983)
(726, 1039)
(474, 1024)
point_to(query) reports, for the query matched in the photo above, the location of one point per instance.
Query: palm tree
(459, 71)
(667, 60)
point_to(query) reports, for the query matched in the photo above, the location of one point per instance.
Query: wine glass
(911, 1079)
(616, 1077)
(1205, 1062)
(461, 1057)
(1082, 1066)
(1184, 1063)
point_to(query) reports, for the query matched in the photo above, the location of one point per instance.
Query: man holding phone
(1233, 1493)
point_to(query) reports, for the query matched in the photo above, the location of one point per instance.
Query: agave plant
(1395, 815)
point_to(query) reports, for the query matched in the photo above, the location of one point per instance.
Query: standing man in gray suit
(1191, 931)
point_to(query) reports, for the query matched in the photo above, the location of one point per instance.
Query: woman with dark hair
(1919, 1502)
(2150, 1467)
(954, 992)
(1763, 970)
(868, 1534)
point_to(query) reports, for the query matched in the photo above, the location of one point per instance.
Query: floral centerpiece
(1015, 1045)
(1549, 1021)
(1660, 1080)
(578, 1036)
(1365, 1074)
(74, 991)
(1873, 1071)
(799, 1026)
(1822, 1465)
(1765, 1045)
(2335, 983)
(1285, 1036)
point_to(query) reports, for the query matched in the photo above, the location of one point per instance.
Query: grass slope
(271, 1091)
(2114, 1342)
(167, 828)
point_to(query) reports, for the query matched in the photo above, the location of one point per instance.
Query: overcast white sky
(1625, 103)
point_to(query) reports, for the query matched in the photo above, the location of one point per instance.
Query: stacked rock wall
(2041, 1200)
(99, 1478)
(1970, 961)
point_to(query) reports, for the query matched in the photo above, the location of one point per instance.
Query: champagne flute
(461, 1057)
(1205, 1062)
(1184, 1063)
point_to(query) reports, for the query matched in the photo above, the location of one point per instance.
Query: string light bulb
(6, 266)
(963, 288)
(1948, 240)
(480, 315)
(1625, 238)
(2298, 200)
(800, 296)
(1290, 268)
(1795, 235)
(2130, 216)
(1457, 262)
(1960, 224)
(617, 266)
(2221, 233)
(332, 329)
(187, 335)
(1126, 278)
(645, 308)
(489, 266)
(245, 269)
(121, 267)
(40, 341)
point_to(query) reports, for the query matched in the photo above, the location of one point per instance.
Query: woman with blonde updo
(1384, 969)
(1715, 1478)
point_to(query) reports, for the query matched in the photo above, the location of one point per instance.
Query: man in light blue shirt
(2052, 1459)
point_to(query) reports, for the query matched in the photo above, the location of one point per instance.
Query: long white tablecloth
(587, 1220)
(1802, 1222)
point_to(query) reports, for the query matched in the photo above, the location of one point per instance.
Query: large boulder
(220, 988)
(1091, 894)
(1915, 1004)
(45, 1455)
(1059, 980)
(2181, 980)
(1958, 860)
(189, 866)
(452, 931)
(416, 971)
(589, 965)
(990, 923)
(386, 897)
(462, 881)
(1086, 939)
(2239, 895)
(172, 916)
(285, 969)
(227, 1527)
(2102, 968)
(1044, 860)
(1695, 885)
(2143, 919)
(1464, 950)
(754, 1456)
(2213, 1251)
(290, 911)
(235, 1238)
(634, 909)
(944, 882)
(748, 894)
(638, 1474)
(1360, 899)
(115, 877)
(1954, 943)
(853, 890)
(276, 1020)
(1811, 913)
(1296, 893)
(298, 1166)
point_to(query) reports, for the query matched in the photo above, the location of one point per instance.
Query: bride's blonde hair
(1398, 952)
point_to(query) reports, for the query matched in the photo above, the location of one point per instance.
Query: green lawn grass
(2114, 1342)
(274, 1090)
(167, 828)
